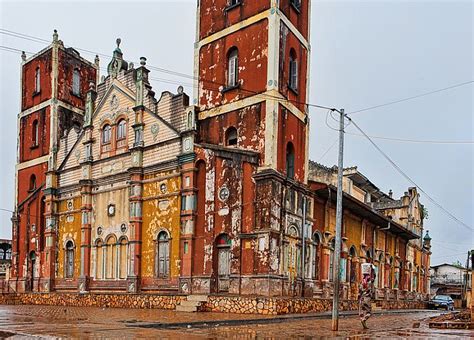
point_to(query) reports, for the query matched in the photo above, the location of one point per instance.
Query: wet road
(79, 322)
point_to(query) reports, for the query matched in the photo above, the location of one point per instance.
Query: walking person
(366, 292)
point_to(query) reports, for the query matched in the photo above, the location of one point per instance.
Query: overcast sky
(364, 53)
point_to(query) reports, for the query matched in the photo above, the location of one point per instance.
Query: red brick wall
(68, 62)
(298, 19)
(29, 151)
(288, 42)
(29, 98)
(291, 129)
(249, 122)
(214, 17)
(251, 43)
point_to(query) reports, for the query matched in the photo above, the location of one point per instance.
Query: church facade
(120, 190)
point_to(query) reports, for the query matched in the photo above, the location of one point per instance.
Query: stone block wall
(100, 300)
(222, 304)
(277, 306)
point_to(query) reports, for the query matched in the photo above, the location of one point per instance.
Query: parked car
(441, 301)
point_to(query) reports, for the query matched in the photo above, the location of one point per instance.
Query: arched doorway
(223, 262)
(353, 272)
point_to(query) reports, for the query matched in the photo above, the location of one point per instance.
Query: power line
(420, 141)
(450, 215)
(413, 97)
(178, 74)
(329, 149)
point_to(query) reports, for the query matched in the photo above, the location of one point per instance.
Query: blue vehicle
(441, 301)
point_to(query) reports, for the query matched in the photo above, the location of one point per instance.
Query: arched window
(32, 182)
(332, 247)
(111, 258)
(290, 161)
(121, 129)
(190, 119)
(368, 255)
(293, 72)
(76, 82)
(69, 259)
(8, 255)
(2, 254)
(99, 271)
(106, 134)
(233, 67)
(35, 133)
(316, 250)
(231, 136)
(123, 268)
(37, 80)
(163, 255)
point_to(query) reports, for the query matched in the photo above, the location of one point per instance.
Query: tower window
(293, 74)
(296, 4)
(290, 161)
(121, 129)
(35, 133)
(106, 134)
(32, 182)
(233, 67)
(37, 80)
(233, 3)
(76, 82)
(231, 136)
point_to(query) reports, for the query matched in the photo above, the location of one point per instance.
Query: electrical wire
(450, 215)
(420, 141)
(327, 151)
(413, 97)
(179, 74)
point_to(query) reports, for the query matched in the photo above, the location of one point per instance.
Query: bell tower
(252, 58)
(251, 71)
(54, 82)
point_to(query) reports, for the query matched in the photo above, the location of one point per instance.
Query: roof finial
(23, 56)
(96, 60)
(118, 42)
(55, 35)
(142, 61)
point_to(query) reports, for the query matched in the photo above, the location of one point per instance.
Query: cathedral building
(121, 190)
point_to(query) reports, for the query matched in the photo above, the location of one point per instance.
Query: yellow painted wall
(353, 231)
(69, 228)
(162, 212)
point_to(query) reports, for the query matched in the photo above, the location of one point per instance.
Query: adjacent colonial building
(376, 228)
(122, 190)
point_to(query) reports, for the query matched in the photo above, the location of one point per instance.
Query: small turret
(427, 240)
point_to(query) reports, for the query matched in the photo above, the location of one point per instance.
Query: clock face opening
(111, 210)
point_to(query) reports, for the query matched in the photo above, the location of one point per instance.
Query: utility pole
(337, 251)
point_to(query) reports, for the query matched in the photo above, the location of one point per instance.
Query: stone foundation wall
(277, 306)
(222, 304)
(271, 306)
(100, 300)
